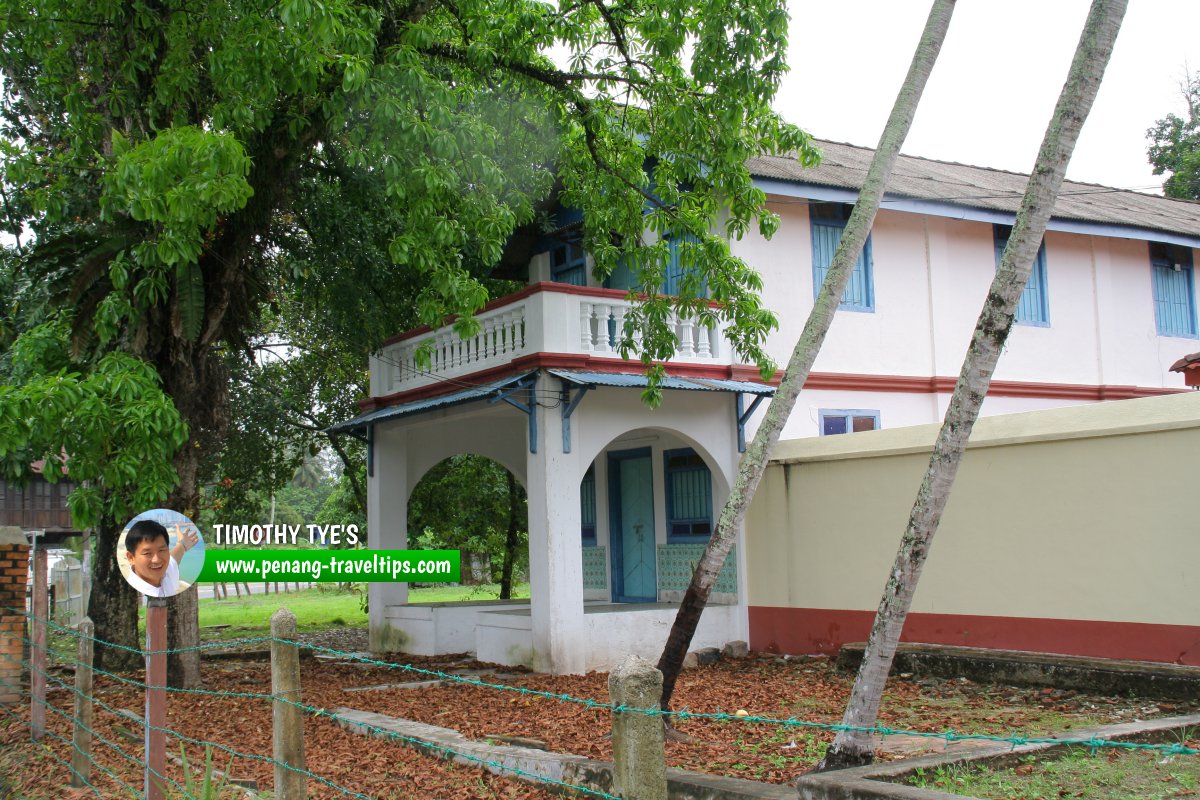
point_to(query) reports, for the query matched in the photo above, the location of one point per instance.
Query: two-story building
(622, 498)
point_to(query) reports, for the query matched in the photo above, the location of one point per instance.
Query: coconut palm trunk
(852, 748)
(754, 460)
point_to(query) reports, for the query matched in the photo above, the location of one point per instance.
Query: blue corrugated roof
(579, 378)
(668, 382)
(403, 410)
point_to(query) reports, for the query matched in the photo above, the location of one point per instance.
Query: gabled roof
(950, 185)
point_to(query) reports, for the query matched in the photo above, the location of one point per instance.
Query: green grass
(315, 610)
(320, 609)
(1109, 775)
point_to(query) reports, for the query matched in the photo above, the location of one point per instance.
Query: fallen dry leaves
(763, 685)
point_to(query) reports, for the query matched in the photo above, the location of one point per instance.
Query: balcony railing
(545, 318)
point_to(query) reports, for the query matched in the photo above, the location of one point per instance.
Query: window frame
(576, 265)
(847, 414)
(587, 532)
(866, 259)
(668, 472)
(1159, 263)
(1000, 236)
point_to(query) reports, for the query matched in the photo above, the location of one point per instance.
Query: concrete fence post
(288, 719)
(81, 761)
(37, 672)
(156, 697)
(639, 764)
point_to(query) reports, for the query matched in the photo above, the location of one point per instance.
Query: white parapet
(545, 318)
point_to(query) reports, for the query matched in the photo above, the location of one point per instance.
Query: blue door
(631, 500)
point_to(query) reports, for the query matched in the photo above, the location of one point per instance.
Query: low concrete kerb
(872, 782)
(1021, 668)
(566, 768)
(875, 781)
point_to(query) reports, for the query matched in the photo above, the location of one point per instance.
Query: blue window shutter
(860, 292)
(1034, 306)
(1174, 291)
(675, 268)
(689, 496)
(587, 506)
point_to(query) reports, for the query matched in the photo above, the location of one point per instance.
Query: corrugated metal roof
(845, 166)
(669, 382)
(404, 409)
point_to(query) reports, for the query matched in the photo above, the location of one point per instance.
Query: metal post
(37, 677)
(156, 697)
(287, 737)
(81, 760)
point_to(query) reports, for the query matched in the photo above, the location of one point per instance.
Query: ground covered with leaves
(229, 714)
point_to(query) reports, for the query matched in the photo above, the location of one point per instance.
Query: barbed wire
(948, 736)
(317, 712)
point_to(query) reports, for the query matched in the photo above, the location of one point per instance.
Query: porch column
(555, 552)
(387, 526)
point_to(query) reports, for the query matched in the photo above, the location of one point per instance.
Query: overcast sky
(995, 83)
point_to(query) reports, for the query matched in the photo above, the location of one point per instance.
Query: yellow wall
(1082, 513)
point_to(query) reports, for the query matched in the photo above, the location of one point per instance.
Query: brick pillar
(14, 571)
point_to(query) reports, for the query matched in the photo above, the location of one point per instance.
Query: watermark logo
(160, 553)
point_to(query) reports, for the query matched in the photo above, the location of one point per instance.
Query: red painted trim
(572, 361)
(824, 630)
(832, 381)
(533, 288)
(850, 382)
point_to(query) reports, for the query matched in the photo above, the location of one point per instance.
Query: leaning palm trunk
(854, 747)
(753, 463)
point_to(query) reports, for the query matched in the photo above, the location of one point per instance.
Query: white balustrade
(585, 326)
(551, 318)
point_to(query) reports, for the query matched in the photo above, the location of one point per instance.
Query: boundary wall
(1070, 530)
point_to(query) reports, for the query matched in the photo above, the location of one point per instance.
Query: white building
(622, 497)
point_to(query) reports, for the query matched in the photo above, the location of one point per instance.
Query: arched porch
(621, 500)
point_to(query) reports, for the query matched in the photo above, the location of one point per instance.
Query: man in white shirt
(153, 568)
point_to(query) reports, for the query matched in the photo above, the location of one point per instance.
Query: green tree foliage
(341, 507)
(161, 155)
(110, 424)
(463, 503)
(112, 421)
(175, 136)
(1175, 145)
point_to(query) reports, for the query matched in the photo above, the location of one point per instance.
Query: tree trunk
(183, 610)
(510, 539)
(753, 463)
(853, 748)
(116, 614)
(183, 613)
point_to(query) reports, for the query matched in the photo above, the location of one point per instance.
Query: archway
(648, 503)
(473, 504)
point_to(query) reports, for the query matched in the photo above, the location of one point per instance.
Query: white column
(387, 525)
(555, 553)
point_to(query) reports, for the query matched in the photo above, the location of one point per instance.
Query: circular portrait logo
(160, 552)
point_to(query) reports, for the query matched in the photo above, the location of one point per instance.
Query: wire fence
(948, 736)
(72, 660)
